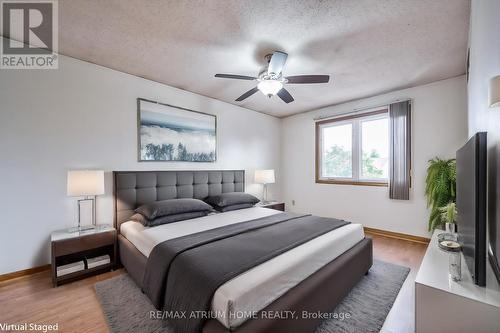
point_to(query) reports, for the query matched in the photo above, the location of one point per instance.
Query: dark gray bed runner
(182, 274)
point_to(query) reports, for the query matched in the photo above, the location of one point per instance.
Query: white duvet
(261, 285)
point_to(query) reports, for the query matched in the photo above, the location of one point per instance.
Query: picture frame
(168, 133)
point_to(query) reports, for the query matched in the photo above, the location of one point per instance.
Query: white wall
(84, 116)
(439, 128)
(484, 40)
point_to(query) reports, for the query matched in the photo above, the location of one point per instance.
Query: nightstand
(82, 253)
(273, 205)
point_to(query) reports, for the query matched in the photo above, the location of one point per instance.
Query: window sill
(351, 182)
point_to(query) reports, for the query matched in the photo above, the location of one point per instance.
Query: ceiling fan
(271, 79)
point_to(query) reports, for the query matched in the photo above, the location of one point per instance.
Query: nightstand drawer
(273, 205)
(277, 206)
(83, 243)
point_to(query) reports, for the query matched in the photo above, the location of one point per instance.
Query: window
(353, 149)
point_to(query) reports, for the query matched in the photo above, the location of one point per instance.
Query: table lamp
(264, 177)
(87, 184)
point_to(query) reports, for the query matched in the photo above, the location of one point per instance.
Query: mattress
(235, 300)
(146, 238)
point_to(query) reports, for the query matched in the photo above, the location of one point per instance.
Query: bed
(313, 276)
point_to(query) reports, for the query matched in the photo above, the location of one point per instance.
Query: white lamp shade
(495, 92)
(264, 176)
(85, 182)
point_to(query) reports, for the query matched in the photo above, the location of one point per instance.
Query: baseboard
(24, 272)
(397, 235)
(373, 231)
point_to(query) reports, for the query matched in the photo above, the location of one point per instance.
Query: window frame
(356, 153)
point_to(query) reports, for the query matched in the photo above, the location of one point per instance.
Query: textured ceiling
(367, 46)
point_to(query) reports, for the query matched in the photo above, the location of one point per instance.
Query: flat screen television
(471, 205)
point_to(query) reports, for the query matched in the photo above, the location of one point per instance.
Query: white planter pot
(451, 228)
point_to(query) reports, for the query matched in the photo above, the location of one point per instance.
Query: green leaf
(440, 188)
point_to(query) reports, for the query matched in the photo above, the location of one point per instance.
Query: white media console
(443, 305)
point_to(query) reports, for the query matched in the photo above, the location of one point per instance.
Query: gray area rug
(127, 309)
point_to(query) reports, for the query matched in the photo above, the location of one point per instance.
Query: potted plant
(440, 188)
(449, 215)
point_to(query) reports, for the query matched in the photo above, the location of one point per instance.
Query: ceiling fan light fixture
(271, 80)
(270, 87)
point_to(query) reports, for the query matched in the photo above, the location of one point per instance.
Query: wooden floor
(401, 318)
(75, 307)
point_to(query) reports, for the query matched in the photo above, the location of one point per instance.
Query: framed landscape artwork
(171, 133)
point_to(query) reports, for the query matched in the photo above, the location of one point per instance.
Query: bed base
(322, 291)
(132, 259)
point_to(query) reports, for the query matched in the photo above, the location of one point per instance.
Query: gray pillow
(157, 209)
(166, 219)
(231, 198)
(235, 207)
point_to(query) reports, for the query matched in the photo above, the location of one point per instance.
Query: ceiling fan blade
(308, 79)
(277, 63)
(237, 77)
(247, 94)
(285, 96)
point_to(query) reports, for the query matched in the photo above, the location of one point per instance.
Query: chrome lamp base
(93, 219)
(265, 199)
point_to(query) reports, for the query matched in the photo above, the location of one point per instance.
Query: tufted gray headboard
(135, 188)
